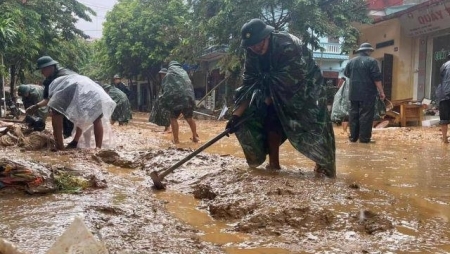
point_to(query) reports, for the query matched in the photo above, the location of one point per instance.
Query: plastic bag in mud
(82, 101)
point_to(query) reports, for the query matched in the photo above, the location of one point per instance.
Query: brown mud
(391, 196)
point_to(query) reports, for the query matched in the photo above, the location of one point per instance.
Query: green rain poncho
(159, 115)
(295, 85)
(122, 112)
(178, 92)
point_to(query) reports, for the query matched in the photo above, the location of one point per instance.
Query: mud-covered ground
(215, 204)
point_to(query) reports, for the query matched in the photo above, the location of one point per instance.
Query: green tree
(7, 35)
(42, 27)
(140, 35)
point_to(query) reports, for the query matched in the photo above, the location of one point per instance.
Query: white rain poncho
(82, 101)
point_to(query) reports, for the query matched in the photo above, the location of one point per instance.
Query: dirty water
(391, 196)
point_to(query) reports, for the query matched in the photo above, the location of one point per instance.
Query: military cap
(22, 90)
(163, 71)
(171, 63)
(117, 76)
(45, 61)
(254, 32)
(365, 46)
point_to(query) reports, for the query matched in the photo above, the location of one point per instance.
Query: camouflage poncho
(178, 92)
(159, 115)
(122, 112)
(295, 85)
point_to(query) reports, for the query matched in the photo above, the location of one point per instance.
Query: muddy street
(391, 196)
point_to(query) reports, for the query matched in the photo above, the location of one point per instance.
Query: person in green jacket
(32, 94)
(288, 98)
(122, 112)
(178, 98)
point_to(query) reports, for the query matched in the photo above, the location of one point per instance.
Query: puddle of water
(416, 172)
(184, 207)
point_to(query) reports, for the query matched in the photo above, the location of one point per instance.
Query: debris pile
(35, 178)
(16, 135)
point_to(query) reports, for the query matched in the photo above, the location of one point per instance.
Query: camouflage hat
(105, 86)
(45, 61)
(172, 63)
(365, 46)
(254, 31)
(116, 76)
(22, 90)
(163, 71)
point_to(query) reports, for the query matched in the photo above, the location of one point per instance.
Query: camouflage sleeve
(34, 97)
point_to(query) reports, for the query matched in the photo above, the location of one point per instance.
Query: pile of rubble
(19, 135)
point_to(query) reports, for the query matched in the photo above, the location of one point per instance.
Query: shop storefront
(429, 24)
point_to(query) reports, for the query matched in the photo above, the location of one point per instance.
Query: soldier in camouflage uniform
(122, 112)
(178, 98)
(289, 101)
(32, 94)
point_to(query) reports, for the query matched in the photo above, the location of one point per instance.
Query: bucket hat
(254, 31)
(116, 76)
(163, 71)
(365, 46)
(45, 61)
(172, 63)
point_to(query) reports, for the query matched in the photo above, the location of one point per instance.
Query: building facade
(411, 45)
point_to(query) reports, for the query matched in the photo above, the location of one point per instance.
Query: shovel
(157, 177)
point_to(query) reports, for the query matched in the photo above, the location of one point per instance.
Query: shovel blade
(157, 181)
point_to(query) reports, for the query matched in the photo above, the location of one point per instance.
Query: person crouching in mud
(84, 103)
(289, 101)
(51, 70)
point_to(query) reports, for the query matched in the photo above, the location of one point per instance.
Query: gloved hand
(32, 109)
(231, 125)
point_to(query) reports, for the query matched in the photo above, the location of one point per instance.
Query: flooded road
(391, 196)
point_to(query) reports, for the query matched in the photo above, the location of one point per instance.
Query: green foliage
(44, 27)
(7, 36)
(140, 35)
(68, 183)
